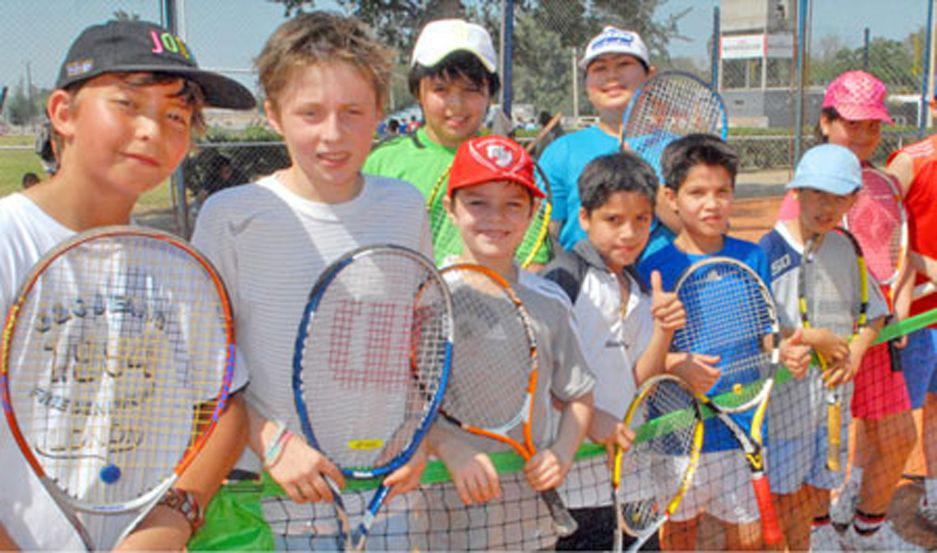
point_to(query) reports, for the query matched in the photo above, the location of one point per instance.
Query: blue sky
(226, 34)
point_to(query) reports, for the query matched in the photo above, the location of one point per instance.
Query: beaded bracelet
(272, 454)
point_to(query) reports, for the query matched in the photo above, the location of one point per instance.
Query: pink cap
(857, 96)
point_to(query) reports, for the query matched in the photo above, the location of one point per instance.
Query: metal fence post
(714, 66)
(927, 64)
(507, 39)
(169, 13)
(802, 11)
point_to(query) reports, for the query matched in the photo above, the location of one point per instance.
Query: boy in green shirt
(453, 76)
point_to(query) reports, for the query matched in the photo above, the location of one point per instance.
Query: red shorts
(879, 391)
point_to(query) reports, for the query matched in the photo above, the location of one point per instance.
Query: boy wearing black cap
(127, 100)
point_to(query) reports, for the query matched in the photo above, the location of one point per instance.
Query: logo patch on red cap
(499, 155)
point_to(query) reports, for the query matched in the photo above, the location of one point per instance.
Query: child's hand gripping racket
(371, 364)
(668, 106)
(117, 359)
(825, 302)
(658, 469)
(730, 314)
(494, 373)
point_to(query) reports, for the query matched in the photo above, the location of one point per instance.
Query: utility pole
(575, 65)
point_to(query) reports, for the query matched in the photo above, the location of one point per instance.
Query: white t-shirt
(29, 514)
(270, 245)
(613, 344)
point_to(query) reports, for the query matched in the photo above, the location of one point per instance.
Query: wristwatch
(184, 502)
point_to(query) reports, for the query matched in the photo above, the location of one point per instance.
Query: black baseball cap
(141, 46)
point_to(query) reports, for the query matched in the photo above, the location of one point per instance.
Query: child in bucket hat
(825, 184)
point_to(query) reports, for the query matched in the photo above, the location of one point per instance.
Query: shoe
(927, 513)
(884, 539)
(843, 508)
(825, 538)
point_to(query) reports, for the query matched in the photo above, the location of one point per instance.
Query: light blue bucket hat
(829, 168)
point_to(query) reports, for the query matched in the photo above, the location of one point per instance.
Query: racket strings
(729, 315)
(668, 107)
(658, 466)
(877, 223)
(122, 341)
(830, 302)
(373, 358)
(492, 354)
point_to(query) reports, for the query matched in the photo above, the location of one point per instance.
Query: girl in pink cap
(852, 114)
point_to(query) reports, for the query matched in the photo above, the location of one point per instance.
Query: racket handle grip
(563, 522)
(833, 423)
(770, 527)
(894, 357)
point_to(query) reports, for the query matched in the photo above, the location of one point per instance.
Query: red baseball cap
(492, 158)
(858, 96)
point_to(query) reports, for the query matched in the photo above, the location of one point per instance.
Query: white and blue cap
(829, 168)
(613, 40)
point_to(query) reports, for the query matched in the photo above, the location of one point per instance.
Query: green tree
(20, 108)
(545, 32)
(397, 22)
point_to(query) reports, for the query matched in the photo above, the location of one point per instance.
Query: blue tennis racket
(370, 365)
(669, 106)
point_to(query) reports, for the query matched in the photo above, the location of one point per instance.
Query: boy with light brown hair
(325, 80)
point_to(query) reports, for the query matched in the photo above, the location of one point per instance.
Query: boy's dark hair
(618, 172)
(683, 154)
(455, 65)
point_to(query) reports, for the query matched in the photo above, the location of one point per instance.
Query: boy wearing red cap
(491, 198)
(127, 102)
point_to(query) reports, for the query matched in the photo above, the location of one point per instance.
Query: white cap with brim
(613, 40)
(440, 38)
(829, 168)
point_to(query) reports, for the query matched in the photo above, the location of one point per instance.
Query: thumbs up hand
(666, 307)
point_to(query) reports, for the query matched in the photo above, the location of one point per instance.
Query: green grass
(14, 163)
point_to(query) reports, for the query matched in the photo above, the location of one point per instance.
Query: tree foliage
(20, 108)
(545, 33)
(894, 62)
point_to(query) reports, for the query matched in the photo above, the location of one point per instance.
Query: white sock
(930, 490)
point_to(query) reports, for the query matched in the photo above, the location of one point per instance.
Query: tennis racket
(371, 364)
(659, 467)
(536, 241)
(494, 376)
(879, 223)
(669, 106)
(116, 362)
(730, 313)
(824, 302)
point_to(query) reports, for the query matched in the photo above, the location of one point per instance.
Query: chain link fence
(747, 48)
